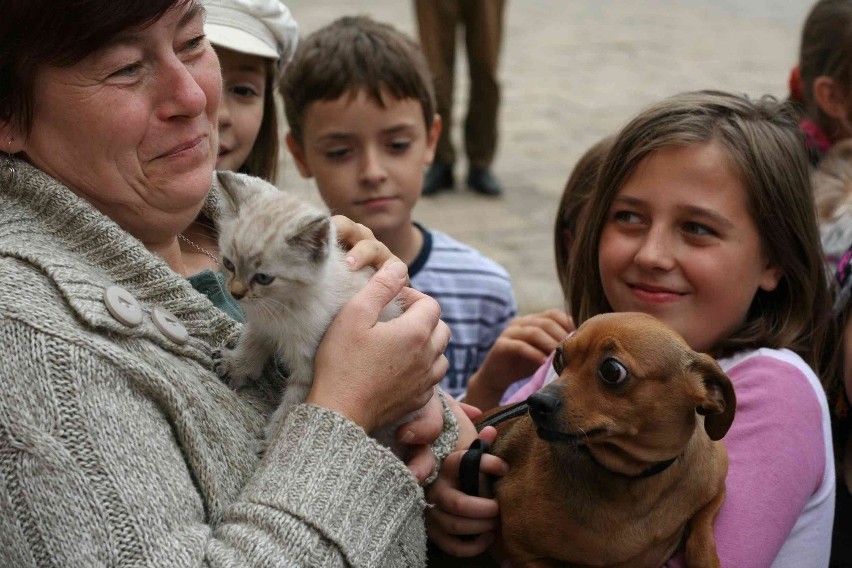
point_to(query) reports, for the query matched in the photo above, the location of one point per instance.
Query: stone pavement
(572, 72)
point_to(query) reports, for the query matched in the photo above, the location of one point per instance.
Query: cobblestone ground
(573, 71)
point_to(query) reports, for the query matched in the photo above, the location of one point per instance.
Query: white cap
(257, 27)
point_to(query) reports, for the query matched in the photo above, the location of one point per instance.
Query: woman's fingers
(426, 426)
(421, 462)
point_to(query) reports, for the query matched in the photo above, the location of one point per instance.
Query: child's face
(368, 160)
(680, 244)
(241, 106)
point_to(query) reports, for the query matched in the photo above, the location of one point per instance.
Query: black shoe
(481, 180)
(438, 177)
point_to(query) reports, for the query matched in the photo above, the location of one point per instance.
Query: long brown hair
(262, 161)
(580, 184)
(763, 143)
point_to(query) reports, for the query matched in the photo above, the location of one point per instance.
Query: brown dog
(618, 460)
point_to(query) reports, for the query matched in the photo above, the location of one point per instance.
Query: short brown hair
(765, 147)
(826, 50)
(350, 54)
(39, 32)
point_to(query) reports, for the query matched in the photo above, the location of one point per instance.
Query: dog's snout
(544, 404)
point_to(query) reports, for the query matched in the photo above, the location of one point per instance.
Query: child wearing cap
(359, 102)
(254, 40)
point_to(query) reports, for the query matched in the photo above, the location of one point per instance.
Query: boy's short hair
(350, 54)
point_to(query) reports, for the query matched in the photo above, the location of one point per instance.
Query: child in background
(361, 110)
(254, 40)
(527, 342)
(703, 217)
(832, 181)
(822, 81)
(838, 385)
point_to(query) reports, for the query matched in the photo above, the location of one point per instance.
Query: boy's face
(368, 160)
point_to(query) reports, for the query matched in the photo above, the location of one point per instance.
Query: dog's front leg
(701, 544)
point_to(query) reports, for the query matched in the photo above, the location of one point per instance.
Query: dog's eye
(613, 372)
(559, 360)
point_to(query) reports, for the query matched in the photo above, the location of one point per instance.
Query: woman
(119, 444)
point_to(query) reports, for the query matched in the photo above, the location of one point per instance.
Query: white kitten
(284, 265)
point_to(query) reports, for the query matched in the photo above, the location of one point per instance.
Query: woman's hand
(521, 349)
(418, 436)
(372, 372)
(455, 513)
(364, 248)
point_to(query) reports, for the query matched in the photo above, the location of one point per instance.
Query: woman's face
(241, 107)
(132, 127)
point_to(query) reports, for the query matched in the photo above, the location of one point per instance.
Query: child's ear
(830, 97)
(432, 138)
(298, 153)
(772, 273)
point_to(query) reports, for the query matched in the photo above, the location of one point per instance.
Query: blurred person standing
(482, 20)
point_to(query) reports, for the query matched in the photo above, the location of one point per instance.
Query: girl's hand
(372, 372)
(364, 248)
(521, 349)
(455, 513)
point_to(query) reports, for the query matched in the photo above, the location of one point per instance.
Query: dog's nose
(543, 404)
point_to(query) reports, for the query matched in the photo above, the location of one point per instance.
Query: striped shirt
(476, 298)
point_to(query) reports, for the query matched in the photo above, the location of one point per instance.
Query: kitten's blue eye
(227, 264)
(263, 279)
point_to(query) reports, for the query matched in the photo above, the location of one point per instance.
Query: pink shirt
(780, 486)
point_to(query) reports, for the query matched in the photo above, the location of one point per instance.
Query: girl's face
(241, 106)
(680, 244)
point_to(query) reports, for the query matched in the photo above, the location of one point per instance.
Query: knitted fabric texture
(119, 446)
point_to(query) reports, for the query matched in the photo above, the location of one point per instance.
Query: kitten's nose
(237, 289)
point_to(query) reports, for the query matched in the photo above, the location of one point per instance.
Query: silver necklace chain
(199, 248)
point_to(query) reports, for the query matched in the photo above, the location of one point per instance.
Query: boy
(360, 106)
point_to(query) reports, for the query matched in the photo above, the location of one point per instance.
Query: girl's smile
(679, 243)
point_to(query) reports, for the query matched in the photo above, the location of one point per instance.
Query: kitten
(284, 266)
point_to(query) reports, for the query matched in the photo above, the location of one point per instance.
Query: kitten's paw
(224, 367)
(221, 364)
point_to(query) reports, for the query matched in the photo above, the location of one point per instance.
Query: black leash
(469, 466)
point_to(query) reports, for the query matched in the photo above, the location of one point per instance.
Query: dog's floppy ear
(558, 360)
(719, 403)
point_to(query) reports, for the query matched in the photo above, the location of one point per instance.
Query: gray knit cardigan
(119, 447)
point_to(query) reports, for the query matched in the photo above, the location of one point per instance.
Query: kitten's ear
(236, 189)
(314, 237)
